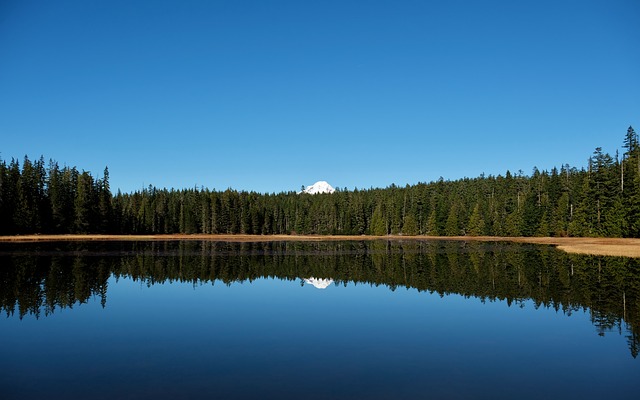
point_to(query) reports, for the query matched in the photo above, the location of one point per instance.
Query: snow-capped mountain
(318, 187)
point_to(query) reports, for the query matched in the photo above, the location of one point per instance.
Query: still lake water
(346, 320)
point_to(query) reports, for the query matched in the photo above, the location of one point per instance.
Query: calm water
(316, 320)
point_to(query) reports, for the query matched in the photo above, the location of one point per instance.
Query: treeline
(40, 198)
(602, 199)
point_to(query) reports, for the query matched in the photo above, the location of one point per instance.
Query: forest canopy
(601, 199)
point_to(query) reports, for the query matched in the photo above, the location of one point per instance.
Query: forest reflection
(37, 279)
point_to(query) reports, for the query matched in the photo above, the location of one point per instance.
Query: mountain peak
(319, 187)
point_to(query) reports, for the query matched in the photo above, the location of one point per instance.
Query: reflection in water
(37, 279)
(318, 283)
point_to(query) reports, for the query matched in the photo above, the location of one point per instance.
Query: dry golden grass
(595, 246)
(620, 247)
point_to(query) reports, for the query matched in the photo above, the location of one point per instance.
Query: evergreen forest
(601, 199)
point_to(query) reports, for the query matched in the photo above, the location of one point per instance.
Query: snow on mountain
(318, 187)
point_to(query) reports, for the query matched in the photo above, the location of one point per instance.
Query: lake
(318, 320)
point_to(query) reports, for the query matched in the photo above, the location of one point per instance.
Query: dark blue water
(152, 326)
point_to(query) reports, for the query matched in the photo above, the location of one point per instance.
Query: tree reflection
(37, 279)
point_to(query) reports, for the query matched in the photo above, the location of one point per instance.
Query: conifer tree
(513, 224)
(432, 223)
(409, 226)
(476, 226)
(83, 203)
(452, 227)
(630, 187)
(105, 208)
(560, 218)
(378, 226)
(5, 213)
(27, 216)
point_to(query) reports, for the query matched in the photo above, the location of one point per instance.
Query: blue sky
(272, 95)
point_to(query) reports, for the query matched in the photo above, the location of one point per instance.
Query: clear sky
(271, 95)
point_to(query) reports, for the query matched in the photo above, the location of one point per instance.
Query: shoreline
(617, 247)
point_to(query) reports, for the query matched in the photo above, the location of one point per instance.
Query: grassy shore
(595, 246)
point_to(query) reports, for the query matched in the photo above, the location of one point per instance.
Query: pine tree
(513, 224)
(27, 214)
(631, 142)
(630, 187)
(560, 218)
(105, 207)
(581, 222)
(476, 226)
(378, 225)
(452, 227)
(409, 226)
(4, 212)
(83, 203)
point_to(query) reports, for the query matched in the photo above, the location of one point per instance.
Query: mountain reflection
(318, 283)
(37, 279)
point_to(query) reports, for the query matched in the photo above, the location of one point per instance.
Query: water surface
(316, 320)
